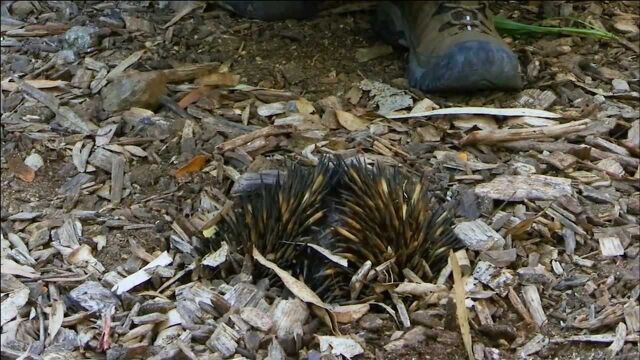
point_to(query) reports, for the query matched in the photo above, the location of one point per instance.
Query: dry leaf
(194, 165)
(521, 227)
(418, 289)
(24, 172)
(304, 106)
(335, 258)
(190, 98)
(301, 290)
(12, 304)
(424, 105)
(297, 287)
(346, 314)
(55, 320)
(344, 346)
(9, 266)
(350, 121)
(461, 309)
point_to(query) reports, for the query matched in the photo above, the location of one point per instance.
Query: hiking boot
(453, 45)
(273, 10)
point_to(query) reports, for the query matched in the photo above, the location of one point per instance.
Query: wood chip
(340, 346)
(498, 279)
(611, 246)
(349, 121)
(534, 304)
(478, 236)
(518, 188)
(141, 275)
(117, 179)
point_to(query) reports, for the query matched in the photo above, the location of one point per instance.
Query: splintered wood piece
(359, 278)
(140, 331)
(105, 134)
(478, 236)
(117, 179)
(262, 132)
(499, 258)
(275, 351)
(256, 318)
(632, 316)
(102, 159)
(534, 345)
(519, 188)
(241, 295)
(65, 115)
(618, 342)
(289, 316)
(534, 304)
(402, 310)
(498, 279)
(153, 318)
(502, 135)
(519, 306)
(463, 261)
(67, 234)
(484, 314)
(418, 289)
(224, 339)
(606, 145)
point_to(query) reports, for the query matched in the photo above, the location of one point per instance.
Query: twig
(502, 135)
(243, 139)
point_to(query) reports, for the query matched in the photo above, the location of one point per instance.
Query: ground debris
(129, 140)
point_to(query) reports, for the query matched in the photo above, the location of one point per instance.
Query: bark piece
(498, 279)
(478, 236)
(518, 188)
(224, 339)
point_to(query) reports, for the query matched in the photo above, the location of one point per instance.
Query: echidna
(353, 210)
(278, 218)
(385, 215)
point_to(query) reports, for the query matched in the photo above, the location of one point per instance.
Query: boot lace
(465, 17)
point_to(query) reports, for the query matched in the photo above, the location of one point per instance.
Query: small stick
(262, 132)
(502, 135)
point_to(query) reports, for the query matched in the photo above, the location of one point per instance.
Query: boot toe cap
(467, 66)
